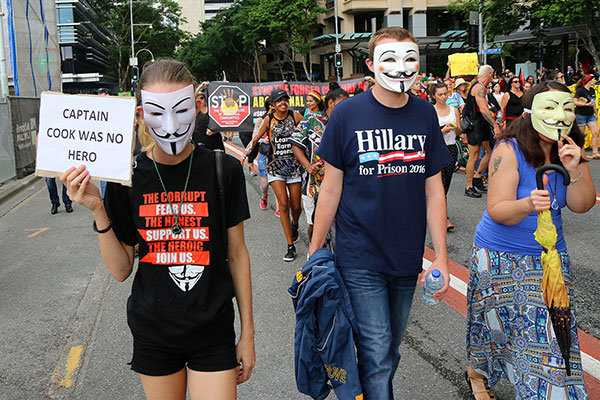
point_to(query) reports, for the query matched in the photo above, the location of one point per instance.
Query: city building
(83, 48)
(438, 32)
(31, 48)
(197, 11)
(193, 12)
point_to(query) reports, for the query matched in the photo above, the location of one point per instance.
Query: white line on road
(455, 283)
(234, 149)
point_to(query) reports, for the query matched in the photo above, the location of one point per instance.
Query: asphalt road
(64, 333)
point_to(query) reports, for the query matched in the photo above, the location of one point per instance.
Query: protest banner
(235, 106)
(82, 129)
(463, 64)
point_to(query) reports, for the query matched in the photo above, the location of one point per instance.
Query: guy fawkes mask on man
(396, 65)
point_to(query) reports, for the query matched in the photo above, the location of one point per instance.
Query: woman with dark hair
(511, 105)
(192, 254)
(585, 100)
(449, 121)
(531, 80)
(284, 172)
(314, 103)
(509, 332)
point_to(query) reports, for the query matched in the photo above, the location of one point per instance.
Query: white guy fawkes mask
(553, 113)
(186, 276)
(170, 117)
(396, 65)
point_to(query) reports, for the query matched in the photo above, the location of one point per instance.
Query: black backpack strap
(221, 185)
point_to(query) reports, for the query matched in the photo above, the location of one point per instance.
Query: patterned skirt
(509, 330)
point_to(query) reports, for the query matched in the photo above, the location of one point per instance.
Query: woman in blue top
(509, 331)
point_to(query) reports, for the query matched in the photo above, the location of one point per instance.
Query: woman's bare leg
(219, 385)
(167, 387)
(281, 194)
(295, 190)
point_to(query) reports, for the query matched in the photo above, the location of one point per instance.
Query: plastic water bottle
(433, 282)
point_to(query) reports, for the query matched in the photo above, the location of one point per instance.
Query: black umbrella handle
(539, 175)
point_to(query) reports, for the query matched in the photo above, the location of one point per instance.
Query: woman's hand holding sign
(79, 189)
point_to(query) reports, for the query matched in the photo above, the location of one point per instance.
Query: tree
(502, 17)
(232, 38)
(225, 43)
(291, 24)
(161, 36)
(582, 15)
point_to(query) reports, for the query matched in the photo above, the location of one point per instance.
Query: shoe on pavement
(479, 185)
(291, 253)
(263, 203)
(69, 208)
(294, 232)
(54, 209)
(278, 214)
(472, 192)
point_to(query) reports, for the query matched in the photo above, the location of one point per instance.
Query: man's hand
(497, 131)
(442, 266)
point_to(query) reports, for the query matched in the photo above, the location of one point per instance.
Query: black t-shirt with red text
(183, 283)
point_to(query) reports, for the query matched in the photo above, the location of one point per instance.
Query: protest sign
(81, 129)
(463, 64)
(235, 106)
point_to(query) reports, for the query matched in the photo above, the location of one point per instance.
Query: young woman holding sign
(180, 310)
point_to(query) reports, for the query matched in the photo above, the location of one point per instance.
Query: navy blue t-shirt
(386, 155)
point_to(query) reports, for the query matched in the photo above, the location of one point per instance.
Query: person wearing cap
(284, 171)
(585, 110)
(103, 92)
(383, 153)
(460, 87)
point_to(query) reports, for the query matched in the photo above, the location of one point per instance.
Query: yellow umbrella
(553, 284)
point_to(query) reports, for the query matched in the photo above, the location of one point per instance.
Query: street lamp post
(140, 50)
(131, 23)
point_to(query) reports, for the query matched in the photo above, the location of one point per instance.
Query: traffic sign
(493, 51)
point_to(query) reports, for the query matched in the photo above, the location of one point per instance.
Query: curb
(16, 186)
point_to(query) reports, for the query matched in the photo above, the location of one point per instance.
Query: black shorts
(214, 350)
(481, 132)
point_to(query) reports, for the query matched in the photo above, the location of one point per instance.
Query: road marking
(70, 367)
(36, 231)
(587, 343)
(232, 148)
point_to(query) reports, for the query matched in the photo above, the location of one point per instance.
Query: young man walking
(383, 153)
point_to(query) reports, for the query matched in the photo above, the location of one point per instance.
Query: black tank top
(514, 107)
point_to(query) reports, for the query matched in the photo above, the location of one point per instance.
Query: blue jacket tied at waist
(324, 342)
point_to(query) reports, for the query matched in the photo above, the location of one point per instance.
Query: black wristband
(103, 230)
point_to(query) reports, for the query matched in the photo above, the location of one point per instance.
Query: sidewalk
(13, 186)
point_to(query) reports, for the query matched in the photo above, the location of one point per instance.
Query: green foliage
(161, 37)
(229, 41)
(500, 17)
